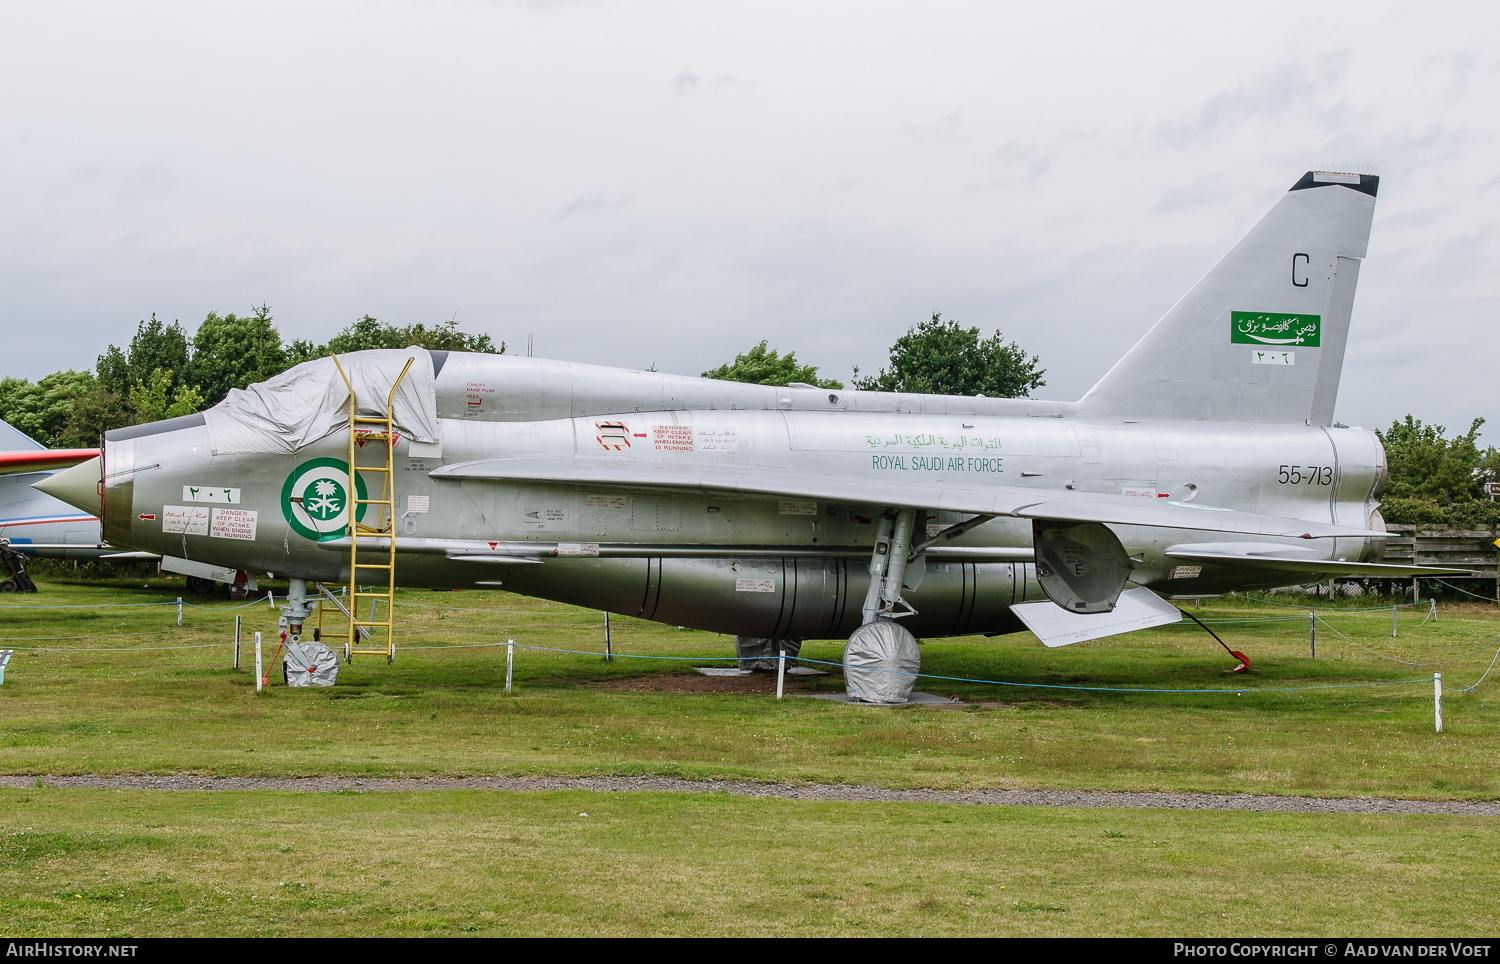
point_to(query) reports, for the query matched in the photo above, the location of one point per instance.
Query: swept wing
(1014, 501)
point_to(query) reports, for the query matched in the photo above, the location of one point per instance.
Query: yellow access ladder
(371, 538)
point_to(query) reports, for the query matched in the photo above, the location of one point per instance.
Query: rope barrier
(5, 643)
(487, 609)
(1404, 662)
(1475, 684)
(1384, 610)
(1464, 591)
(993, 682)
(154, 632)
(1340, 609)
(116, 649)
(1252, 619)
(530, 625)
(229, 609)
(1238, 691)
(575, 622)
(170, 602)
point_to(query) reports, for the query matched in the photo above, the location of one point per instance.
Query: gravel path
(783, 791)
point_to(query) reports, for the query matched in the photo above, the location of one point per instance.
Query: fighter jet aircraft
(35, 523)
(1205, 461)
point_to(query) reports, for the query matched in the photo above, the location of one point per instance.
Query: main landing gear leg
(879, 559)
(881, 659)
(895, 569)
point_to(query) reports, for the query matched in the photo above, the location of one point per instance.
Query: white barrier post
(510, 662)
(179, 610)
(1433, 611)
(1437, 701)
(1393, 620)
(236, 642)
(781, 673)
(608, 654)
(259, 679)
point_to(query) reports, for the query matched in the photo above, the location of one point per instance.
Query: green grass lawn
(444, 711)
(103, 862)
(152, 863)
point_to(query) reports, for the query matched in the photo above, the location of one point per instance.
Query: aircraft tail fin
(13, 439)
(1261, 337)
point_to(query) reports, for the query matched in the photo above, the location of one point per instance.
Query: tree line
(934, 357)
(163, 373)
(1438, 482)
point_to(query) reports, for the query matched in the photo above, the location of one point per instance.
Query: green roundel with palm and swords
(315, 499)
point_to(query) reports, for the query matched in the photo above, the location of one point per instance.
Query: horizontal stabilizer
(1013, 501)
(1135, 609)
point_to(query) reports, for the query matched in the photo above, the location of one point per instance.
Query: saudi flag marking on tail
(1271, 328)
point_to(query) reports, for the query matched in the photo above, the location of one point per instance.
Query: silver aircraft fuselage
(746, 565)
(1205, 460)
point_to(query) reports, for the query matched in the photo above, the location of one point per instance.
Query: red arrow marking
(147, 517)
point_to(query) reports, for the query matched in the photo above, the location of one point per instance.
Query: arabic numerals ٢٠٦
(1305, 475)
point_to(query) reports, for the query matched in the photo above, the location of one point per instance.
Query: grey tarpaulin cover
(880, 663)
(310, 664)
(287, 413)
(758, 652)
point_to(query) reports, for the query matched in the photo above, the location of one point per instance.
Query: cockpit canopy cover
(311, 401)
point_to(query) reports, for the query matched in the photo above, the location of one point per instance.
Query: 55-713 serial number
(1305, 475)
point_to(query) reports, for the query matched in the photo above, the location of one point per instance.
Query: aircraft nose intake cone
(78, 486)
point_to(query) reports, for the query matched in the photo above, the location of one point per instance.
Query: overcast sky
(670, 183)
